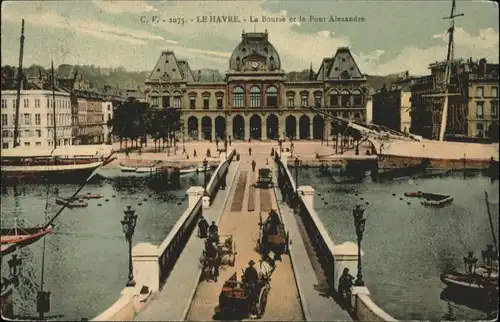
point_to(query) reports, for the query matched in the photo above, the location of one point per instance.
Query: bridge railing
(153, 264)
(218, 178)
(333, 258)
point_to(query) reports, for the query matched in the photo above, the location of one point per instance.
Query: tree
(130, 120)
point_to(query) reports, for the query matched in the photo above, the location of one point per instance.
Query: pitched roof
(341, 66)
(167, 68)
(186, 71)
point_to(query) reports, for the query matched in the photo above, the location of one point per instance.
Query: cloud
(124, 6)
(417, 60)
(92, 28)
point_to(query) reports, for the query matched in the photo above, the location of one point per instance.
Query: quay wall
(333, 257)
(152, 264)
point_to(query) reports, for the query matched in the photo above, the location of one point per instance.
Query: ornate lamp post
(205, 163)
(359, 222)
(488, 258)
(296, 163)
(128, 224)
(470, 263)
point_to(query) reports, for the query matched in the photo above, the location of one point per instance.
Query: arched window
(358, 99)
(345, 98)
(177, 100)
(165, 98)
(255, 96)
(272, 96)
(290, 96)
(317, 99)
(304, 98)
(192, 100)
(155, 99)
(334, 98)
(238, 97)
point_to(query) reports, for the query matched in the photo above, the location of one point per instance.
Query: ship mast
(447, 73)
(54, 104)
(19, 80)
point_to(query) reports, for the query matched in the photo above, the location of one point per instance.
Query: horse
(212, 259)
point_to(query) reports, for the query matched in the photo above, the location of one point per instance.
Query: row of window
(36, 133)
(60, 103)
(6, 145)
(480, 109)
(27, 119)
(480, 92)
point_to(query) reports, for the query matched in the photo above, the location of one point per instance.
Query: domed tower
(254, 54)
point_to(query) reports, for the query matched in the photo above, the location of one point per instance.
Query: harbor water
(407, 245)
(86, 257)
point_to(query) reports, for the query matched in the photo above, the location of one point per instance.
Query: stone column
(282, 128)
(264, 129)
(346, 256)
(194, 194)
(229, 127)
(307, 194)
(247, 128)
(297, 129)
(311, 128)
(145, 266)
(212, 134)
(199, 130)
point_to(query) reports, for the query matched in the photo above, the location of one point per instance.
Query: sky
(395, 35)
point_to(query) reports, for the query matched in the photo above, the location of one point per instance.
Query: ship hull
(434, 155)
(60, 173)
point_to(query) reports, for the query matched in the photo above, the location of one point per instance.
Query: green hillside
(124, 79)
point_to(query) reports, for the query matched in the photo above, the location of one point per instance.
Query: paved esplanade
(283, 301)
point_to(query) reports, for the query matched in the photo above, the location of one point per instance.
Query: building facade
(472, 106)
(391, 108)
(255, 101)
(107, 112)
(36, 118)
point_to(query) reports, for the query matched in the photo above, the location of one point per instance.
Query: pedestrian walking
(230, 140)
(250, 151)
(253, 165)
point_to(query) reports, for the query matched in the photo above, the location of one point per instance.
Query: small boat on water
(12, 238)
(192, 170)
(138, 169)
(86, 196)
(71, 203)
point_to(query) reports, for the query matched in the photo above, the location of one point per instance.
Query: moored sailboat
(48, 164)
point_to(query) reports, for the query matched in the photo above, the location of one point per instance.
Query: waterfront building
(392, 107)
(107, 113)
(36, 122)
(472, 111)
(255, 101)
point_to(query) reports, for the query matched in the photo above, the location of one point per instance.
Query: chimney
(482, 67)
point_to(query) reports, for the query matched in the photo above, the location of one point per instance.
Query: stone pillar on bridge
(307, 193)
(194, 194)
(346, 256)
(145, 266)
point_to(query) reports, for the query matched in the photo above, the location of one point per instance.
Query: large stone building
(472, 109)
(256, 101)
(36, 118)
(392, 107)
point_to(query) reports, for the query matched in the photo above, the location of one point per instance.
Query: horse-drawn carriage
(239, 299)
(272, 235)
(218, 251)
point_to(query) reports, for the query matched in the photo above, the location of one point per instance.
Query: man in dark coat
(253, 165)
(251, 276)
(213, 232)
(202, 227)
